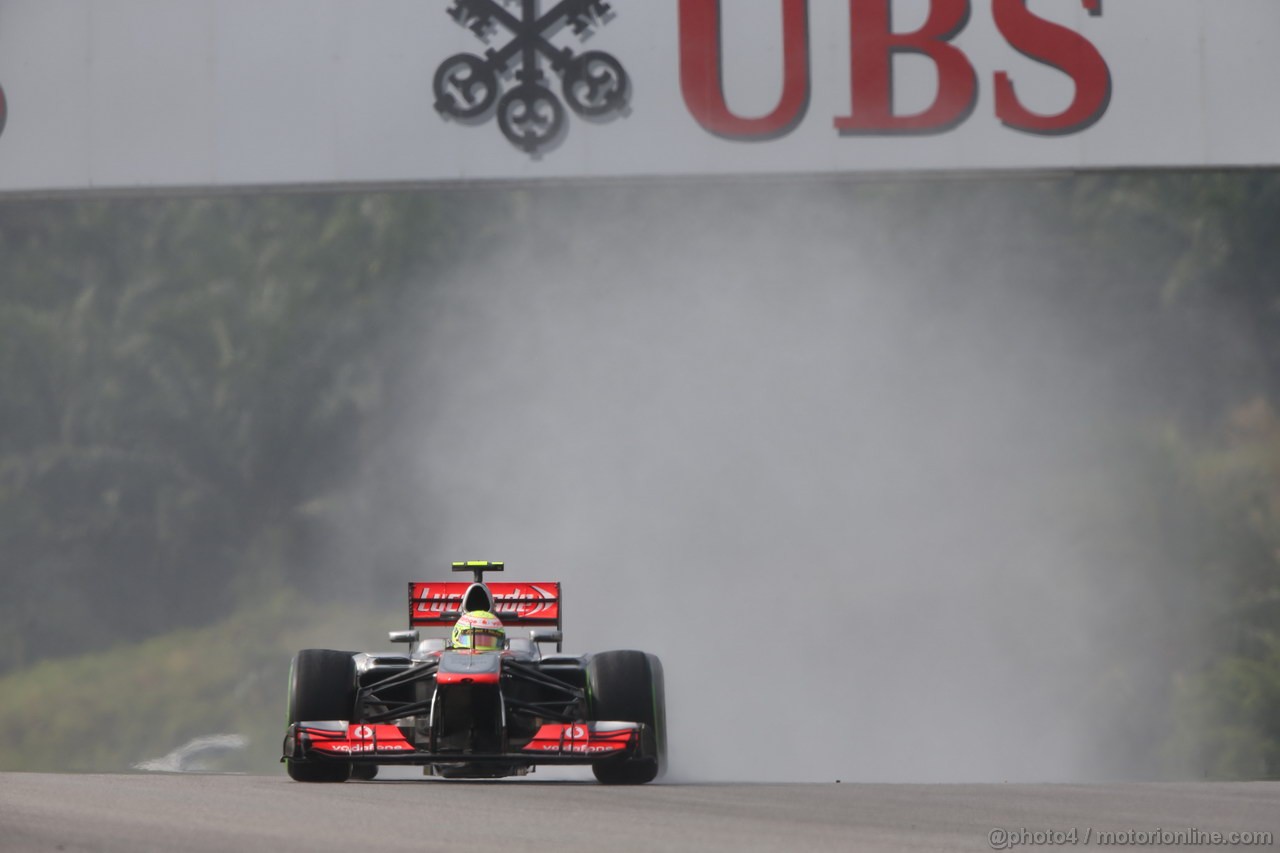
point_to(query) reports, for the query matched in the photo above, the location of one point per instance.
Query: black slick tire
(628, 686)
(322, 686)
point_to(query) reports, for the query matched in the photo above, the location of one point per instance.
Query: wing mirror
(548, 635)
(410, 636)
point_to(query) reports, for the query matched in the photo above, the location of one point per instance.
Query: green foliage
(105, 710)
(187, 384)
(1226, 698)
(1227, 720)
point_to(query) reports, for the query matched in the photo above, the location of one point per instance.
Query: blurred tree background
(187, 387)
(190, 387)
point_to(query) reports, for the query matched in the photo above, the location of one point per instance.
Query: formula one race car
(476, 713)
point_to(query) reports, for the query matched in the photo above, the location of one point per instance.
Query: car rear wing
(439, 604)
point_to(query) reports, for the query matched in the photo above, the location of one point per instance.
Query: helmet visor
(485, 641)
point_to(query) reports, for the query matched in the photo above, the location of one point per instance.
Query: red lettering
(873, 45)
(702, 74)
(1060, 48)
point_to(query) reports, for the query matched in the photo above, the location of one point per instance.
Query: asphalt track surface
(50, 812)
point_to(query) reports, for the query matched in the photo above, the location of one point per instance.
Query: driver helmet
(480, 631)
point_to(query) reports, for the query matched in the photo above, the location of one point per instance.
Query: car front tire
(628, 686)
(322, 686)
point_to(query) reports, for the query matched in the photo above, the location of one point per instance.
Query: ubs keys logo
(530, 115)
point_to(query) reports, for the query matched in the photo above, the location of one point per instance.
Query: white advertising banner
(155, 94)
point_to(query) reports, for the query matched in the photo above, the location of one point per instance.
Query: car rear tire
(628, 686)
(322, 686)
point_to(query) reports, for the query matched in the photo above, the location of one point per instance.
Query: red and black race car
(469, 714)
